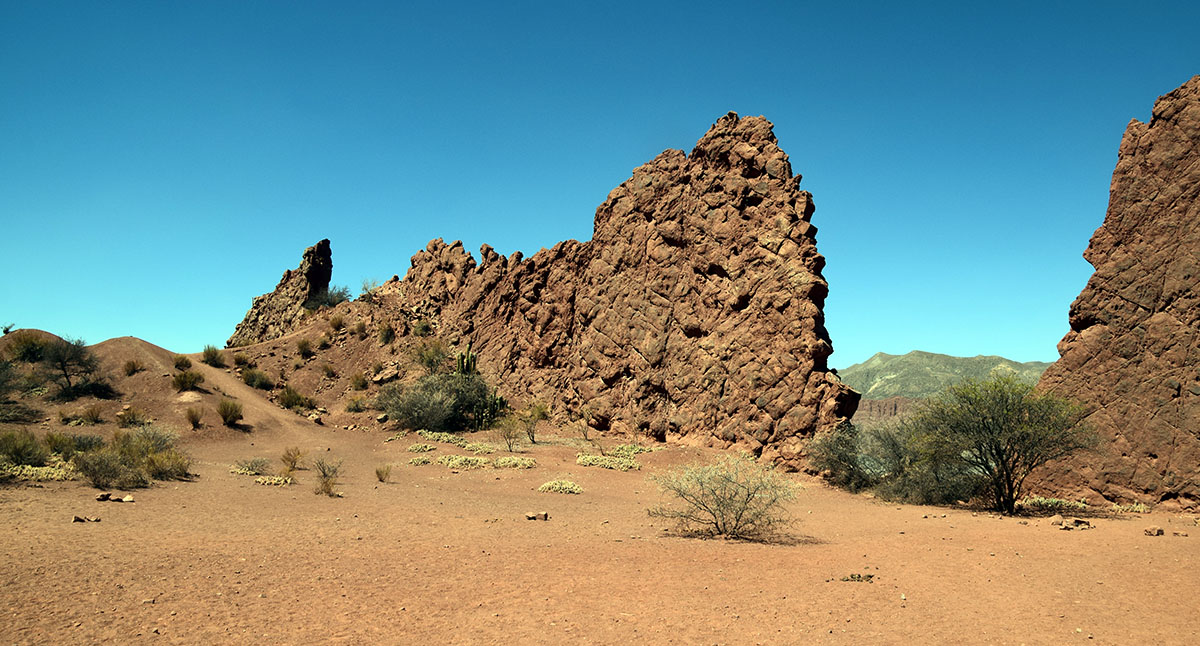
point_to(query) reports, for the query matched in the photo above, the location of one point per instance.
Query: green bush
(292, 399)
(240, 360)
(839, 455)
(251, 467)
(464, 462)
(26, 347)
(182, 362)
(329, 371)
(480, 448)
(515, 462)
(212, 356)
(443, 402)
(256, 378)
(132, 367)
(419, 460)
(997, 431)
(324, 342)
(356, 405)
(432, 356)
(330, 297)
(304, 347)
(22, 447)
(67, 445)
(733, 497)
(358, 381)
(441, 436)
(131, 417)
(230, 412)
(1040, 505)
(133, 459)
(72, 366)
(187, 380)
(419, 448)
(107, 468)
(422, 328)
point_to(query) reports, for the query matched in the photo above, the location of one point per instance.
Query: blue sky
(162, 163)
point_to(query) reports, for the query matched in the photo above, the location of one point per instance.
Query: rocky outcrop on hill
(695, 311)
(1132, 356)
(876, 411)
(279, 312)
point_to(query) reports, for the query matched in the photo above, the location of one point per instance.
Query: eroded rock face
(279, 312)
(1132, 356)
(694, 311)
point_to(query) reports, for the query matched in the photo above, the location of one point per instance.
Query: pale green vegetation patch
(606, 462)
(560, 486)
(442, 436)
(1058, 505)
(420, 448)
(251, 467)
(515, 462)
(1131, 508)
(273, 481)
(419, 460)
(480, 448)
(464, 462)
(630, 450)
(55, 470)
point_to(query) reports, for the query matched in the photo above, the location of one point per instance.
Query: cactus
(466, 362)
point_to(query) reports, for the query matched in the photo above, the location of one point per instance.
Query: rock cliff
(275, 314)
(1132, 356)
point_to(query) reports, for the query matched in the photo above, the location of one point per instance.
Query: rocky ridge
(695, 311)
(274, 314)
(1132, 356)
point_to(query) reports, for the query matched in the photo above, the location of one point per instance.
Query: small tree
(1001, 430)
(733, 497)
(69, 362)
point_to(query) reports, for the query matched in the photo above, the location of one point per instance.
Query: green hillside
(922, 374)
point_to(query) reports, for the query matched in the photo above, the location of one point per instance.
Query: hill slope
(923, 374)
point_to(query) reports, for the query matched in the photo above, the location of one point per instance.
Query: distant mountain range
(919, 374)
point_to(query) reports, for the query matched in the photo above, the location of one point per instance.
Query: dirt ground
(448, 558)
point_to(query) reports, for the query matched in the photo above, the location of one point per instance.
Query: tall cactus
(466, 362)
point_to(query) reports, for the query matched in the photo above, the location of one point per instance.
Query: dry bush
(387, 334)
(360, 330)
(194, 417)
(256, 378)
(383, 473)
(212, 356)
(251, 467)
(356, 405)
(327, 474)
(508, 432)
(733, 497)
(304, 347)
(329, 371)
(230, 412)
(242, 361)
(323, 343)
(187, 380)
(358, 381)
(131, 417)
(292, 460)
(182, 362)
(132, 367)
(291, 398)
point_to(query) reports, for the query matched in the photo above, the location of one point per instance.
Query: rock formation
(694, 311)
(1132, 356)
(275, 314)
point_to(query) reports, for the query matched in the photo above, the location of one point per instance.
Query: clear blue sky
(162, 163)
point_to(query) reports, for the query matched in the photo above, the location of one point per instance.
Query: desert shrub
(18, 413)
(377, 368)
(356, 405)
(106, 468)
(292, 459)
(336, 323)
(132, 367)
(444, 402)
(132, 417)
(323, 342)
(629, 450)
(839, 455)
(383, 473)
(529, 419)
(606, 462)
(251, 467)
(1130, 508)
(419, 460)
(998, 431)
(256, 378)
(212, 356)
(329, 371)
(387, 334)
(171, 464)
(296, 365)
(431, 355)
(441, 436)
(464, 462)
(292, 399)
(26, 347)
(515, 462)
(358, 381)
(1040, 505)
(133, 459)
(230, 412)
(422, 328)
(182, 362)
(328, 297)
(240, 360)
(273, 481)
(560, 486)
(55, 470)
(508, 432)
(420, 448)
(480, 448)
(67, 445)
(21, 447)
(732, 497)
(360, 330)
(187, 380)
(367, 293)
(327, 474)
(304, 347)
(194, 416)
(87, 416)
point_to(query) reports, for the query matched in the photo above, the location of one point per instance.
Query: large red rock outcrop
(1132, 356)
(695, 311)
(277, 313)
